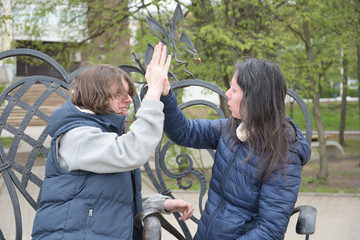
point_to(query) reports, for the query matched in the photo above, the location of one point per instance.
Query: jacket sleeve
(90, 149)
(199, 133)
(155, 201)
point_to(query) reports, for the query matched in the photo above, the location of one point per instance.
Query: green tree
(225, 32)
(310, 51)
(355, 26)
(348, 32)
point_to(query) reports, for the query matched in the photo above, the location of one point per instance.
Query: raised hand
(179, 205)
(157, 73)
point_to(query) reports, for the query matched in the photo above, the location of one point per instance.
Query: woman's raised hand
(157, 73)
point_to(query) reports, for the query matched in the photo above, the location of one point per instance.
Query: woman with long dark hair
(259, 155)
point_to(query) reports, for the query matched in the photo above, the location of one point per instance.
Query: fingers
(166, 86)
(162, 54)
(157, 53)
(157, 71)
(168, 62)
(159, 57)
(187, 212)
(178, 205)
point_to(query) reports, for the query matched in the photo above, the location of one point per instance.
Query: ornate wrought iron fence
(18, 174)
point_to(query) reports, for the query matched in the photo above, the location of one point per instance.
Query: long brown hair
(264, 90)
(92, 87)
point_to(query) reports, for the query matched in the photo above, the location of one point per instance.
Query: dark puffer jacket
(239, 206)
(80, 204)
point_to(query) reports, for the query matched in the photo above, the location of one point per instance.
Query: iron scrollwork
(161, 169)
(14, 94)
(170, 40)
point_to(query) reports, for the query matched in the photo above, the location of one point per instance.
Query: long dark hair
(263, 111)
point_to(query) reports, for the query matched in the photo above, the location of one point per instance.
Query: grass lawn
(330, 115)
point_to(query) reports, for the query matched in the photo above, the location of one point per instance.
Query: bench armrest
(307, 219)
(150, 221)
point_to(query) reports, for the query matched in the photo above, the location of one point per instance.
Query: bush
(330, 93)
(353, 92)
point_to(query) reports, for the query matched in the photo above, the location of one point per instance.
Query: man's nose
(129, 99)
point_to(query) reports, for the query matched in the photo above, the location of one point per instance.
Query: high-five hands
(157, 73)
(178, 205)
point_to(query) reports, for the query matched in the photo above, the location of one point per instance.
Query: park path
(337, 214)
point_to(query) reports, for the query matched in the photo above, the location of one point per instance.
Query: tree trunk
(357, 11)
(358, 74)
(343, 101)
(315, 87)
(292, 108)
(323, 170)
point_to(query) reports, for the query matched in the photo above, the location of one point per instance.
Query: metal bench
(333, 149)
(18, 172)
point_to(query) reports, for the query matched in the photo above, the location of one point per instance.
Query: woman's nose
(227, 94)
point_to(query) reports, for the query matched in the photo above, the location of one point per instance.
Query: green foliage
(309, 180)
(58, 51)
(353, 92)
(6, 141)
(352, 147)
(222, 32)
(311, 46)
(2, 88)
(225, 32)
(331, 116)
(325, 189)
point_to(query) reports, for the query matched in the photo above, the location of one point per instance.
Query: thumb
(166, 86)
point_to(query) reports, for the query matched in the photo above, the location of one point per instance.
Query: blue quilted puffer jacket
(81, 204)
(239, 206)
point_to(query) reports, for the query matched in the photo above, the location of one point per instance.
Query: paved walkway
(337, 219)
(338, 215)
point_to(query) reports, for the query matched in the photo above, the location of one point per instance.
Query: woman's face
(234, 95)
(120, 104)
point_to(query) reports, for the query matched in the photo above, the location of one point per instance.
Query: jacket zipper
(222, 193)
(90, 214)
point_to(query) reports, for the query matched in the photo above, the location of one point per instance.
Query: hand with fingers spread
(178, 205)
(157, 73)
